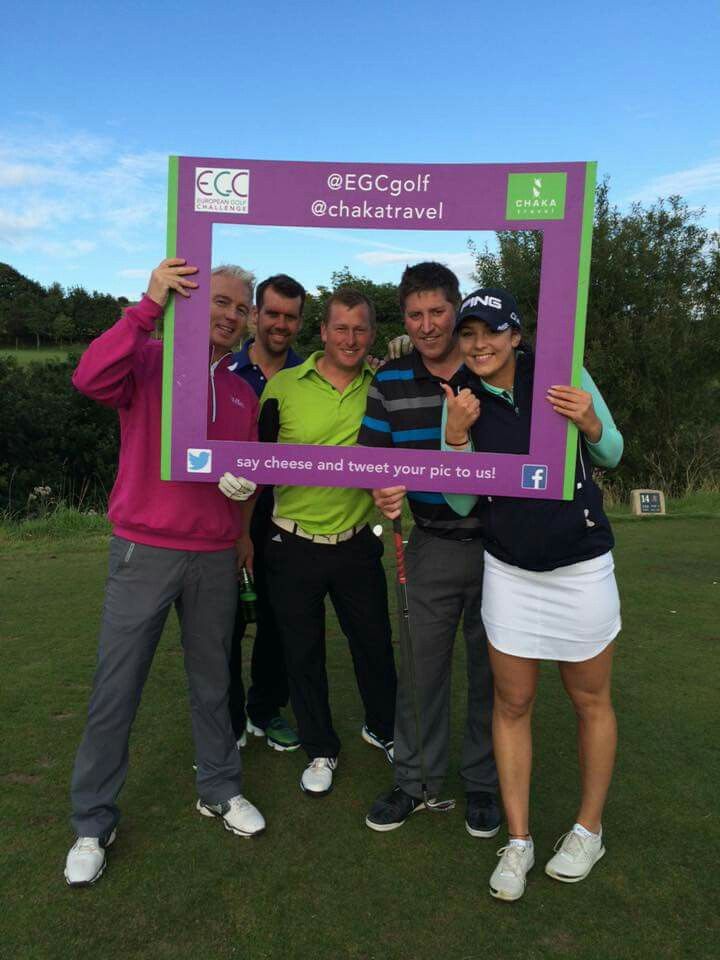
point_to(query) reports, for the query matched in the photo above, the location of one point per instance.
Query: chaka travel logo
(222, 190)
(536, 196)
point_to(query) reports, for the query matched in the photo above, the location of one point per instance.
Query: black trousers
(300, 575)
(269, 684)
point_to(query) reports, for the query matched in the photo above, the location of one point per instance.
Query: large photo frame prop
(555, 198)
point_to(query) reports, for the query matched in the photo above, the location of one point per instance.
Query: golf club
(406, 648)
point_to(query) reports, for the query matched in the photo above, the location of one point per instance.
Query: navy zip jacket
(528, 533)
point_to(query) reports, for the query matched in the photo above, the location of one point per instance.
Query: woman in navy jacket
(549, 588)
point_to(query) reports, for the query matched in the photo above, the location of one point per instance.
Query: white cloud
(126, 217)
(463, 263)
(133, 273)
(18, 223)
(74, 148)
(341, 235)
(376, 257)
(64, 249)
(68, 196)
(231, 231)
(687, 183)
(17, 174)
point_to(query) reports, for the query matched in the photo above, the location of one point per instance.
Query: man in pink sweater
(172, 543)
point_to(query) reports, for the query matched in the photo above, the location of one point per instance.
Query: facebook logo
(534, 476)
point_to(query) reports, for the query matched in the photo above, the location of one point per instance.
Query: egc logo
(220, 190)
(536, 196)
(534, 476)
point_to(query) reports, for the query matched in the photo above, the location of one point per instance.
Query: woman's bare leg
(588, 686)
(515, 681)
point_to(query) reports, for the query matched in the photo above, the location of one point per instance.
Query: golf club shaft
(407, 647)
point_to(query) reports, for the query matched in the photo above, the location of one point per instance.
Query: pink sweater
(122, 368)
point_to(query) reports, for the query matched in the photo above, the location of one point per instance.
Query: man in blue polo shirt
(404, 410)
(279, 302)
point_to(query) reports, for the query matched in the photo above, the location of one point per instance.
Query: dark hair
(349, 297)
(284, 285)
(429, 275)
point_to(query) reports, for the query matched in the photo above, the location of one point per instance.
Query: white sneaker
(238, 815)
(508, 879)
(251, 728)
(318, 776)
(575, 857)
(85, 862)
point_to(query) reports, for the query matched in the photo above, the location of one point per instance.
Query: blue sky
(94, 98)
(312, 254)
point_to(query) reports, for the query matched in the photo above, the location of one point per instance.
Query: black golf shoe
(376, 741)
(482, 814)
(391, 810)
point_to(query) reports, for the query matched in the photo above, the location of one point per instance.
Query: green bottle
(248, 597)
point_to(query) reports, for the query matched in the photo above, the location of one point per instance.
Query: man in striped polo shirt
(444, 556)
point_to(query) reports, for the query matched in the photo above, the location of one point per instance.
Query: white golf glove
(236, 488)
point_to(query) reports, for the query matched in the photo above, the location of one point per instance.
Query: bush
(52, 437)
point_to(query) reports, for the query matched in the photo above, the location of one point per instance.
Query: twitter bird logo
(199, 461)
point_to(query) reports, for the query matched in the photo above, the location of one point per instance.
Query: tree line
(32, 314)
(653, 332)
(652, 345)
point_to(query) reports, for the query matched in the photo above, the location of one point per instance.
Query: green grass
(702, 503)
(58, 523)
(319, 884)
(25, 355)
(61, 521)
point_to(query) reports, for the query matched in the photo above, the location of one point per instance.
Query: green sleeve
(609, 448)
(461, 503)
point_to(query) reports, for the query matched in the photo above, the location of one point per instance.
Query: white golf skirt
(568, 614)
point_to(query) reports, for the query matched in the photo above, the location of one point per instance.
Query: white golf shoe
(317, 777)
(508, 878)
(576, 855)
(237, 814)
(85, 862)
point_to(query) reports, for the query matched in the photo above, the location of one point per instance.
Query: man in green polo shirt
(320, 542)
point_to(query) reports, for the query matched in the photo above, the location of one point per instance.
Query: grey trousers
(444, 582)
(143, 584)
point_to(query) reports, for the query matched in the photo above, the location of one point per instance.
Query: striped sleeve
(375, 430)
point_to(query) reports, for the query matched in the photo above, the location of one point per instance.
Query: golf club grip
(399, 551)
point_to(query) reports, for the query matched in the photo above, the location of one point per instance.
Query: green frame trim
(583, 287)
(169, 326)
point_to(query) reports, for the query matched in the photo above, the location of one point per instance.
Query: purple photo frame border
(464, 197)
